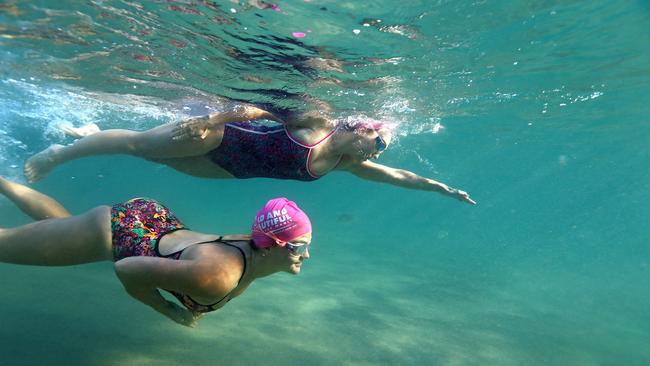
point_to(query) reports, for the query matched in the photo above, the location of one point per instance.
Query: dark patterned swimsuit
(137, 227)
(251, 149)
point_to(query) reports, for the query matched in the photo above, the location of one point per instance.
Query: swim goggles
(297, 249)
(380, 144)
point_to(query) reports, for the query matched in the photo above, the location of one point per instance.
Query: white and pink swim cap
(365, 123)
(278, 222)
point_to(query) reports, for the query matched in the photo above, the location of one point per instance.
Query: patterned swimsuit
(250, 150)
(139, 224)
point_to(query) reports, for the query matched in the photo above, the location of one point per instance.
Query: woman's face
(293, 253)
(372, 143)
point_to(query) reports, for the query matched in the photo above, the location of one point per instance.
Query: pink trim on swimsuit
(311, 149)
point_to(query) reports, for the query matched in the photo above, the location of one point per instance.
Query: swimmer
(153, 250)
(303, 146)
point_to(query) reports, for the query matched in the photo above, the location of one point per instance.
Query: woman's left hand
(192, 129)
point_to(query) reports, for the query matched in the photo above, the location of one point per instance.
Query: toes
(30, 172)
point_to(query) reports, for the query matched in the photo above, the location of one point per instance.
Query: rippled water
(538, 110)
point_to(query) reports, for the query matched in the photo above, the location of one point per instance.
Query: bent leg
(156, 143)
(60, 242)
(33, 203)
(197, 166)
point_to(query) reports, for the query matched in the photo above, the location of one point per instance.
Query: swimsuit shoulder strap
(309, 146)
(241, 251)
(220, 240)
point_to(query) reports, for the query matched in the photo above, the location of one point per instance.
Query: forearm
(153, 299)
(208, 130)
(403, 178)
(150, 295)
(411, 180)
(241, 114)
(407, 179)
(145, 294)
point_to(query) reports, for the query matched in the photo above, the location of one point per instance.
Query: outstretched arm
(402, 178)
(143, 276)
(199, 128)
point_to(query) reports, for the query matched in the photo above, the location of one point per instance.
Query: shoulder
(312, 120)
(217, 272)
(311, 130)
(349, 163)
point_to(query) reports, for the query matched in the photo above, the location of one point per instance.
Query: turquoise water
(539, 111)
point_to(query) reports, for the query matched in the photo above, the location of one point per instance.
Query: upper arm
(398, 177)
(244, 112)
(189, 277)
(371, 171)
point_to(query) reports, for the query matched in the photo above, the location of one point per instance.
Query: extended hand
(183, 316)
(194, 128)
(460, 195)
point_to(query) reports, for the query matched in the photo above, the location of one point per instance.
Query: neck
(261, 265)
(342, 141)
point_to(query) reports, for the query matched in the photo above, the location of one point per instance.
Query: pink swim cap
(279, 221)
(365, 123)
(371, 124)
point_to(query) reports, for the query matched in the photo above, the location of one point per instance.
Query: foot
(79, 132)
(40, 164)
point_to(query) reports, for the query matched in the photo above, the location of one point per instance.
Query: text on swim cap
(274, 218)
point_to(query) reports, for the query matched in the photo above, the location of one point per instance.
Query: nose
(305, 255)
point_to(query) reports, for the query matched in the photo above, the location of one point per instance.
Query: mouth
(295, 268)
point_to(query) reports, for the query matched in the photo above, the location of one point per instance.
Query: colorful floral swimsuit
(139, 224)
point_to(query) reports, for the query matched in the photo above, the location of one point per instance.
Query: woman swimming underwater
(303, 146)
(153, 250)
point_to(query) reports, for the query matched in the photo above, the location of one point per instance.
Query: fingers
(204, 134)
(195, 319)
(179, 131)
(464, 196)
(182, 131)
(188, 319)
(190, 130)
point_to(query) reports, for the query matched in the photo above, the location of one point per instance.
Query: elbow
(125, 271)
(122, 273)
(403, 177)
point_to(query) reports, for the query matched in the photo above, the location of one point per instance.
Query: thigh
(94, 235)
(158, 142)
(198, 166)
(72, 240)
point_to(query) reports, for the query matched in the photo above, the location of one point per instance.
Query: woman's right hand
(460, 195)
(196, 129)
(183, 316)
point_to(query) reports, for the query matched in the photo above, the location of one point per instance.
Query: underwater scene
(538, 110)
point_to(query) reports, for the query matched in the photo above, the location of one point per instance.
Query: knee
(133, 142)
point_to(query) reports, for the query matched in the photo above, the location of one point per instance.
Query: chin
(294, 269)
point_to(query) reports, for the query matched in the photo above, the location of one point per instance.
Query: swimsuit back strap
(243, 255)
